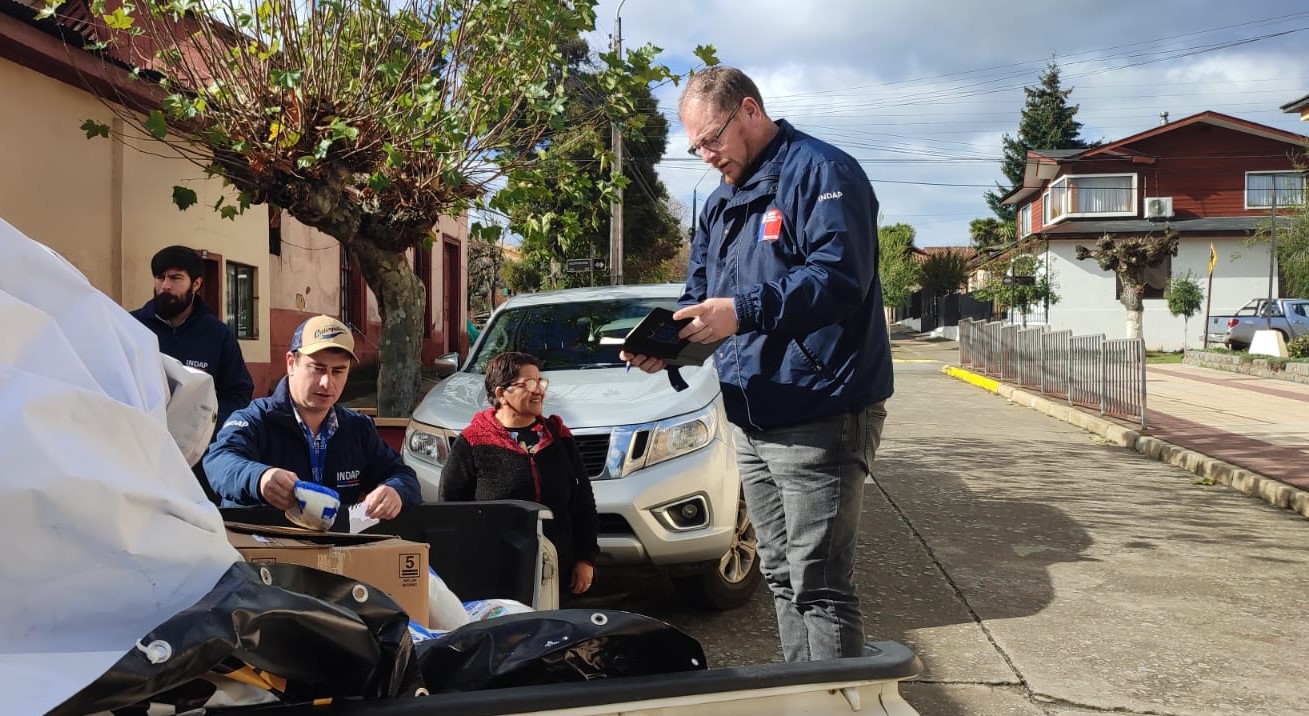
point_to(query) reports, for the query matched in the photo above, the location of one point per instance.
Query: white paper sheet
(106, 532)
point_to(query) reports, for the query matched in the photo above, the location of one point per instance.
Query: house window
(1261, 187)
(1156, 280)
(241, 300)
(1025, 220)
(1097, 195)
(1049, 209)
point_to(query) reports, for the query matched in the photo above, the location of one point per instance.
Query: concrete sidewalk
(1243, 431)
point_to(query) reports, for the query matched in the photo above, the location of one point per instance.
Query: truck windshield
(569, 336)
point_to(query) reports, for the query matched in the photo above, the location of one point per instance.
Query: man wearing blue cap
(300, 433)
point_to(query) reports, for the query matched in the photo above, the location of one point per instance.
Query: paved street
(1039, 570)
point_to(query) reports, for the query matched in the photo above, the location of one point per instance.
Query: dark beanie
(178, 257)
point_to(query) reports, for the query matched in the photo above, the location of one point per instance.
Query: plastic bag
(444, 610)
(260, 625)
(554, 647)
(483, 609)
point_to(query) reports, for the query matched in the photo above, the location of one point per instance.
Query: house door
(211, 291)
(454, 292)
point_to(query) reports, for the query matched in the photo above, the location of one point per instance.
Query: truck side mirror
(446, 364)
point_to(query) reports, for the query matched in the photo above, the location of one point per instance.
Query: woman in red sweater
(511, 452)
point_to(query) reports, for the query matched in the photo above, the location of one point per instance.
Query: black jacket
(487, 464)
(205, 343)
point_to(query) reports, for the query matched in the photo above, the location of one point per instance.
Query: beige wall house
(105, 205)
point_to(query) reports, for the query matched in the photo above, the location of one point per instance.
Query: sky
(921, 92)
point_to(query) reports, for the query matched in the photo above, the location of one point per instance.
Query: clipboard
(656, 336)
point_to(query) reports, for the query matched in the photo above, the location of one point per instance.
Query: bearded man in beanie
(189, 332)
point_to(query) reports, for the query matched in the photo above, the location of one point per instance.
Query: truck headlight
(429, 444)
(678, 436)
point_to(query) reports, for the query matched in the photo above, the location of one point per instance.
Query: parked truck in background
(1288, 316)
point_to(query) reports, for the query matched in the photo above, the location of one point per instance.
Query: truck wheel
(730, 582)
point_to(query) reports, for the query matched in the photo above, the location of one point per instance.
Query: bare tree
(1131, 258)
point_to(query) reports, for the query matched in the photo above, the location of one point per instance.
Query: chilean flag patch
(771, 228)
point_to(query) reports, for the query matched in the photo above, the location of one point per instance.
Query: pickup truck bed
(462, 537)
(865, 684)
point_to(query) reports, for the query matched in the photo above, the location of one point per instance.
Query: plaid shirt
(318, 443)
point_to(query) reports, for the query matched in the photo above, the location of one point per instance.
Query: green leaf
(708, 54)
(184, 198)
(305, 162)
(156, 124)
(228, 212)
(48, 10)
(287, 79)
(118, 19)
(341, 130)
(379, 182)
(95, 129)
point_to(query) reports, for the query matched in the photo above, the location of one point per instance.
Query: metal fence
(1090, 371)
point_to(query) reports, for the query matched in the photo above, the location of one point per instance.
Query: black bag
(554, 646)
(346, 640)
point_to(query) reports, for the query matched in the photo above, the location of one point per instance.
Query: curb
(1247, 482)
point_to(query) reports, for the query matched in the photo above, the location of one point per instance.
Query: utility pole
(616, 206)
(1272, 260)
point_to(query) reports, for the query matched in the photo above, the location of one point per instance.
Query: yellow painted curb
(971, 377)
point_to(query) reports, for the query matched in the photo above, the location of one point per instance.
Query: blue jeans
(804, 487)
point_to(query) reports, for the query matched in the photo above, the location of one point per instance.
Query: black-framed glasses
(712, 142)
(530, 384)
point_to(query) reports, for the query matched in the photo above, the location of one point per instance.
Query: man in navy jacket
(189, 332)
(300, 433)
(784, 264)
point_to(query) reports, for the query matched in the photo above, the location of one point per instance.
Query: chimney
(1163, 118)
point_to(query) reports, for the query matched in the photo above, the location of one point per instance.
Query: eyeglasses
(713, 142)
(531, 384)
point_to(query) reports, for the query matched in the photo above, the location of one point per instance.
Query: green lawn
(1152, 357)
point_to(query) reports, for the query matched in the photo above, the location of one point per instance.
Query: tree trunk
(1134, 324)
(400, 299)
(1131, 299)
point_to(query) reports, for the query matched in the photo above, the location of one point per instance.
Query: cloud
(922, 92)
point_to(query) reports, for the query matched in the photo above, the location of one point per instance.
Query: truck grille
(594, 449)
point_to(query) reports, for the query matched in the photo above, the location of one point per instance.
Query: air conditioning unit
(1158, 207)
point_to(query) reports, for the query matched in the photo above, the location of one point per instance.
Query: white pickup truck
(1288, 316)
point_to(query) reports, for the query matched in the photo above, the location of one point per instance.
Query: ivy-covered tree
(652, 232)
(1185, 298)
(1047, 122)
(1016, 281)
(365, 119)
(896, 266)
(1131, 258)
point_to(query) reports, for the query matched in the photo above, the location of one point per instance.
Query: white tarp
(104, 531)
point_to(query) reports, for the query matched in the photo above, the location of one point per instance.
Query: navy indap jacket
(206, 343)
(795, 246)
(266, 434)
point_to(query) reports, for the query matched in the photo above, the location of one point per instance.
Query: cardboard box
(393, 565)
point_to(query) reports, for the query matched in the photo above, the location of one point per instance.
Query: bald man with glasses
(784, 264)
